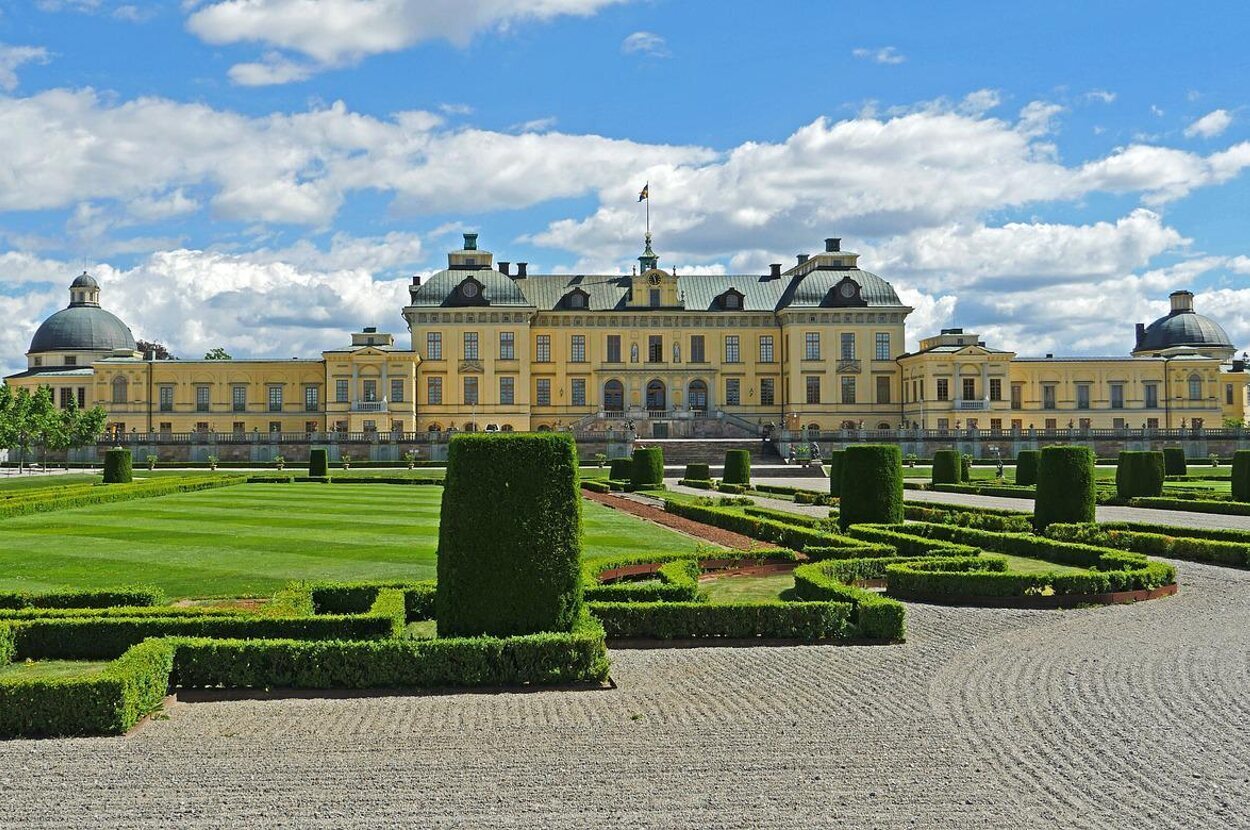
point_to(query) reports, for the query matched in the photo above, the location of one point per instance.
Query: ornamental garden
(514, 566)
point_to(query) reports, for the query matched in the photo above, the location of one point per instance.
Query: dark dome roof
(82, 327)
(84, 280)
(1183, 328)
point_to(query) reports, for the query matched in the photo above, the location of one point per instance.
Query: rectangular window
(732, 352)
(733, 392)
(82, 397)
(312, 399)
(697, 352)
(883, 346)
(811, 345)
(969, 389)
(470, 345)
(1083, 423)
(1117, 396)
(766, 348)
(507, 390)
(996, 424)
(1228, 393)
(577, 349)
(543, 395)
(943, 424)
(202, 394)
(1118, 423)
(340, 390)
(655, 297)
(237, 427)
(848, 389)
(943, 389)
(996, 389)
(768, 394)
(542, 348)
(434, 391)
(507, 345)
(238, 399)
(813, 388)
(275, 398)
(848, 345)
(470, 391)
(1017, 396)
(201, 426)
(614, 348)
(1048, 396)
(371, 390)
(71, 360)
(578, 391)
(1082, 396)
(371, 426)
(434, 345)
(310, 427)
(397, 390)
(1152, 423)
(655, 349)
(167, 399)
(883, 389)
(66, 395)
(1152, 395)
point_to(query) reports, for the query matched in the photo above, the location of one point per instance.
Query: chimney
(1141, 333)
(802, 258)
(1182, 301)
(470, 242)
(522, 270)
(416, 281)
(505, 268)
(774, 271)
(833, 245)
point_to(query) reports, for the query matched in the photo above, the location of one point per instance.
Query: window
(1048, 396)
(201, 426)
(578, 391)
(732, 353)
(811, 345)
(470, 391)
(470, 345)
(697, 397)
(614, 348)
(507, 345)
(1228, 393)
(370, 426)
(237, 427)
(121, 390)
(312, 399)
(577, 300)
(733, 392)
(996, 389)
(1117, 396)
(1082, 396)
(969, 389)
(1195, 388)
(1118, 423)
(848, 345)
(1152, 395)
(167, 399)
(1083, 423)
(542, 348)
(39, 361)
(202, 398)
(697, 352)
(655, 297)
(434, 391)
(655, 349)
(67, 395)
(848, 389)
(766, 348)
(397, 390)
(767, 392)
(71, 360)
(813, 388)
(543, 397)
(882, 351)
(943, 389)
(577, 349)
(433, 346)
(275, 398)
(1017, 396)
(340, 390)
(1152, 423)
(996, 424)
(507, 390)
(883, 389)
(238, 398)
(82, 397)
(371, 390)
(614, 396)
(943, 424)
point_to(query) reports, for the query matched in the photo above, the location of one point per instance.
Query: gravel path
(1132, 717)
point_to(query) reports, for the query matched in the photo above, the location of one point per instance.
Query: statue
(677, 352)
(633, 353)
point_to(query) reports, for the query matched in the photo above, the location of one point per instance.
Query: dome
(84, 280)
(1183, 328)
(82, 327)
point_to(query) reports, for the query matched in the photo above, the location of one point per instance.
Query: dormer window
(845, 293)
(468, 292)
(577, 299)
(730, 300)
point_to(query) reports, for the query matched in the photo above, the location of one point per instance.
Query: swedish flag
(643, 195)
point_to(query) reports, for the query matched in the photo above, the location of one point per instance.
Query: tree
(217, 354)
(158, 350)
(44, 421)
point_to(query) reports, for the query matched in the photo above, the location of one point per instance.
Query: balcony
(369, 406)
(972, 406)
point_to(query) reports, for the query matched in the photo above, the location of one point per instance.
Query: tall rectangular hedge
(1139, 474)
(1241, 475)
(1174, 461)
(873, 479)
(946, 467)
(648, 467)
(737, 467)
(1026, 467)
(619, 468)
(318, 462)
(1065, 486)
(118, 466)
(509, 537)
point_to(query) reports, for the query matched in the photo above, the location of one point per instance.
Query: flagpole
(648, 201)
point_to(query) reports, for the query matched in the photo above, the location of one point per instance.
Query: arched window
(657, 397)
(698, 396)
(613, 396)
(544, 428)
(1195, 387)
(506, 428)
(121, 390)
(470, 427)
(434, 428)
(883, 425)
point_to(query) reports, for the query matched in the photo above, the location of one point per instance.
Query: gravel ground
(1132, 716)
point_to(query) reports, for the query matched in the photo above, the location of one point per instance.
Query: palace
(819, 346)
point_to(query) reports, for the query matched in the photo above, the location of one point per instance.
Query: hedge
(1240, 478)
(877, 494)
(1139, 474)
(118, 466)
(675, 580)
(596, 486)
(768, 530)
(360, 597)
(1017, 523)
(509, 536)
(1179, 546)
(907, 544)
(739, 620)
(1007, 491)
(318, 462)
(697, 483)
(972, 578)
(946, 467)
(1227, 508)
(698, 472)
(647, 468)
(1026, 467)
(1174, 461)
(737, 467)
(619, 468)
(965, 468)
(44, 502)
(814, 522)
(137, 596)
(1065, 486)
(1222, 534)
(874, 616)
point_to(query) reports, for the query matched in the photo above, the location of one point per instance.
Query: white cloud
(1101, 96)
(1210, 125)
(645, 43)
(272, 69)
(13, 57)
(886, 54)
(455, 109)
(536, 125)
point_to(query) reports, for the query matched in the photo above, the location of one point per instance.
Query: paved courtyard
(1099, 718)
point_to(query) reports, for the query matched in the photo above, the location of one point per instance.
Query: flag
(643, 195)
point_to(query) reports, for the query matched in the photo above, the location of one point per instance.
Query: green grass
(249, 540)
(10, 485)
(50, 669)
(749, 587)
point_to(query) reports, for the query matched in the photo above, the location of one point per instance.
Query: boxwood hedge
(137, 596)
(1172, 546)
(835, 472)
(1139, 474)
(647, 469)
(946, 467)
(1026, 467)
(807, 621)
(877, 493)
(118, 466)
(318, 462)
(697, 471)
(1065, 486)
(1174, 461)
(1241, 475)
(874, 617)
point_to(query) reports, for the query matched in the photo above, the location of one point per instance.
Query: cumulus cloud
(645, 43)
(1210, 125)
(886, 54)
(1101, 96)
(14, 57)
(273, 69)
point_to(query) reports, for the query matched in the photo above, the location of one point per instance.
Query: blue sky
(267, 174)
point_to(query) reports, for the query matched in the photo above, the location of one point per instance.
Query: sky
(268, 175)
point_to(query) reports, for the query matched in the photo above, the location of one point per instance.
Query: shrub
(946, 467)
(698, 472)
(509, 537)
(874, 616)
(1190, 505)
(358, 597)
(1178, 546)
(738, 620)
(965, 467)
(140, 596)
(1065, 486)
(737, 467)
(877, 493)
(1026, 467)
(677, 580)
(595, 486)
(734, 489)
(1174, 461)
(835, 472)
(318, 462)
(810, 497)
(619, 468)
(696, 483)
(1139, 474)
(117, 466)
(647, 469)
(768, 530)
(1241, 475)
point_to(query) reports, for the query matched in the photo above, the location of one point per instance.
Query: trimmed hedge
(697, 483)
(118, 466)
(1015, 523)
(984, 577)
(619, 468)
(1026, 467)
(835, 472)
(318, 462)
(874, 616)
(137, 596)
(876, 495)
(739, 620)
(42, 502)
(698, 471)
(1139, 474)
(737, 467)
(1178, 546)
(1174, 461)
(965, 468)
(360, 597)
(596, 486)
(647, 469)
(509, 536)
(676, 580)
(768, 530)
(1227, 508)
(1222, 534)
(1065, 486)
(946, 467)
(1240, 478)
(814, 522)
(908, 545)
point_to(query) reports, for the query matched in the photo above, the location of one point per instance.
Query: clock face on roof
(655, 278)
(469, 289)
(847, 289)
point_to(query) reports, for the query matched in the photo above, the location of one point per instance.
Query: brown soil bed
(689, 527)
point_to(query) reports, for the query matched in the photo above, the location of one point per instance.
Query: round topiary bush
(318, 462)
(1065, 486)
(647, 469)
(1139, 474)
(118, 466)
(1241, 475)
(737, 467)
(1026, 467)
(698, 472)
(1174, 461)
(872, 475)
(835, 472)
(946, 467)
(965, 467)
(619, 468)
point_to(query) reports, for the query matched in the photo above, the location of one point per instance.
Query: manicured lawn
(252, 539)
(13, 484)
(49, 669)
(748, 588)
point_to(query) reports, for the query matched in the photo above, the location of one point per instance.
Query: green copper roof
(85, 327)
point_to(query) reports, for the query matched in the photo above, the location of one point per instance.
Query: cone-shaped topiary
(737, 467)
(697, 472)
(1241, 475)
(1026, 467)
(835, 472)
(946, 467)
(648, 468)
(1065, 486)
(317, 462)
(1174, 461)
(1139, 474)
(509, 536)
(872, 479)
(118, 466)
(619, 468)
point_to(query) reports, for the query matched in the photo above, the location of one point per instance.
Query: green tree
(43, 421)
(217, 354)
